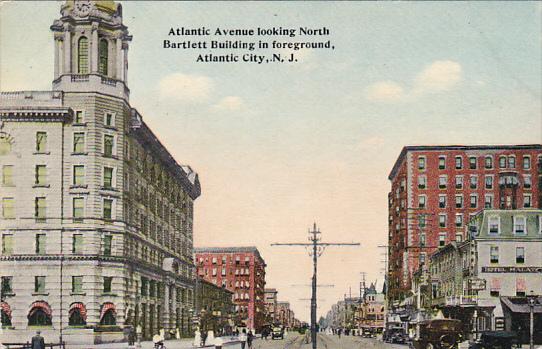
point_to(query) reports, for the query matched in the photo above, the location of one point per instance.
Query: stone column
(57, 57)
(173, 307)
(125, 63)
(94, 49)
(67, 49)
(165, 307)
(119, 59)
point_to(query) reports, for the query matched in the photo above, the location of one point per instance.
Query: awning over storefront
(40, 305)
(6, 309)
(106, 307)
(81, 307)
(521, 305)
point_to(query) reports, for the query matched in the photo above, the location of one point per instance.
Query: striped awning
(81, 307)
(106, 307)
(6, 309)
(44, 306)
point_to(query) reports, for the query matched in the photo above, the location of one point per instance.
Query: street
(325, 342)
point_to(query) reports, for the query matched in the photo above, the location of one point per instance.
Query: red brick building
(242, 271)
(436, 189)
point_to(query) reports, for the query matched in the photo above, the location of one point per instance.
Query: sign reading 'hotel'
(511, 269)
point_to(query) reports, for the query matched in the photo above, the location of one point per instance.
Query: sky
(280, 146)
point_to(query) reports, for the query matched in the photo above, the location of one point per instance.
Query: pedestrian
(203, 338)
(131, 337)
(339, 332)
(243, 338)
(250, 338)
(37, 341)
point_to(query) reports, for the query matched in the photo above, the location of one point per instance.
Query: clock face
(83, 7)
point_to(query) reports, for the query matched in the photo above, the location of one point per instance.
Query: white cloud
(230, 103)
(439, 76)
(385, 91)
(186, 87)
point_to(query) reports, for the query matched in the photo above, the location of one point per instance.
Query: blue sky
(279, 146)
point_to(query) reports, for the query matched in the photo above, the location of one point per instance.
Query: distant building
(240, 270)
(215, 306)
(271, 304)
(372, 310)
(436, 189)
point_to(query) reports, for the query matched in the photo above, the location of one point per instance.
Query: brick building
(215, 304)
(95, 209)
(436, 189)
(242, 271)
(271, 304)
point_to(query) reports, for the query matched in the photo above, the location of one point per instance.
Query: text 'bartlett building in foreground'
(96, 227)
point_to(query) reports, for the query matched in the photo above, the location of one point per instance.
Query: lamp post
(531, 299)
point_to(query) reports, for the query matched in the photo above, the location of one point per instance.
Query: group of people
(245, 338)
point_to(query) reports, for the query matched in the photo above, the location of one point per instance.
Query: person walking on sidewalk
(37, 341)
(250, 338)
(243, 338)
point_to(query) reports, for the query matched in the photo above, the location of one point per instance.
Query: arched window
(77, 314)
(108, 315)
(40, 314)
(82, 55)
(5, 144)
(103, 52)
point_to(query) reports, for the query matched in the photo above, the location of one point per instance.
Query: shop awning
(106, 307)
(81, 307)
(6, 309)
(520, 305)
(44, 306)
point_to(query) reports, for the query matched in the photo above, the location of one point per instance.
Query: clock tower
(91, 48)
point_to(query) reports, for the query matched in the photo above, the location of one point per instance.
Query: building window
(442, 220)
(527, 181)
(109, 144)
(7, 286)
(108, 209)
(421, 201)
(458, 162)
(77, 243)
(41, 142)
(488, 162)
(108, 280)
(78, 117)
(512, 162)
(7, 244)
(473, 182)
(494, 254)
(421, 221)
(526, 162)
(78, 209)
(422, 240)
(39, 284)
(40, 209)
(489, 182)
(421, 163)
(502, 162)
(520, 287)
(442, 162)
(7, 175)
(519, 225)
(103, 52)
(458, 219)
(459, 201)
(495, 287)
(459, 237)
(472, 163)
(442, 181)
(108, 177)
(520, 255)
(41, 175)
(108, 239)
(82, 58)
(78, 175)
(79, 142)
(459, 182)
(8, 208)
(109, 119)
(442, 239)
(473, 201)
(77, 284)
(494, 223)
(40, 243)
(526, 200)
(488, 201)
(422, 182)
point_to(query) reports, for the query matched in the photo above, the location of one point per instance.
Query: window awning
(519, 305)
(6, 309)
(106, 307)
(40, 305)
(81, 307)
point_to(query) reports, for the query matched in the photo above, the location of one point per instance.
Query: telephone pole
(317, 248)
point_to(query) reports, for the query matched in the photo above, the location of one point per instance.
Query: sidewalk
(185, 343)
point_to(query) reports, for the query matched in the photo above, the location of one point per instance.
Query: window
(473, 201)
(520, 255)
(488, 201)
(109, 142)
(109, 119)
(7, 244)
(421, 163)
(421, 221)
(527, 200)
(40, 243)
(223, 273)
(458, 219)
(77, 243)
(41, 174)
(520, 287)
(107, 208)
(422, 182)
(5, 145)
(442, 181)
(502, 162)
(108, 177)
(39, 284)
(108, 280)
(472, 163)
(519, 225)
(7, 286)
(214, 272)
(77, 284)
(442, 162)
(78, 117)
(103, 52)
(495, 287)
(40, 209)
(82, 55)
(489, 182)
(458, 162)
(41, 142)
(459, 237)
(78, 175)
(79, 142)
(422, 240)
(7, 175)
(488, 162)
(78, 209)
(526, 162)
(459, 201)
(214, 260)
(527, 181)
(494, 254)
(473, 182)
(442, 239)
(512, 161)
(442, 220)
(107, 245)
(494, 225)
(459, 182)
(421, 201)
(8, 208)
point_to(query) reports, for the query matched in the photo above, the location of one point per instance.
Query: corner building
(97, 215)
(435, 190)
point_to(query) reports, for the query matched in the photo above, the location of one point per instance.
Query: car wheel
(429, 346)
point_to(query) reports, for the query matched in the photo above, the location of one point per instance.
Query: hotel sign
(511, 269)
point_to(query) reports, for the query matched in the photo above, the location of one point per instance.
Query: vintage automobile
(438, 334)
(278, 332)
(367, 332)
(395, 335)
(495, 340)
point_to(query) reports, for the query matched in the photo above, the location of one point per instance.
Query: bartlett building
(96, 228)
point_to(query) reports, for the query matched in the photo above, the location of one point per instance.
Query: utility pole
(317, 250)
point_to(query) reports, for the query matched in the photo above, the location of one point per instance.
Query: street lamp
(531, 300)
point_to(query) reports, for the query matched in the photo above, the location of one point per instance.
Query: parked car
(495, 340)
(438, 334)
(395, 335)
(278, 332)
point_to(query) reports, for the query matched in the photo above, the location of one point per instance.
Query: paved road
(326, 342)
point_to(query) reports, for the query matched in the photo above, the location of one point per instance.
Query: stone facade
(216, 307)
(95, 210)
